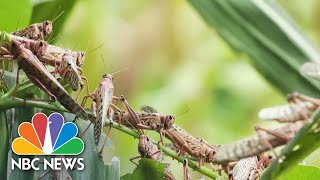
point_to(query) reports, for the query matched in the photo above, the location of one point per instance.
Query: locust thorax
(47, 28)
(68, 61)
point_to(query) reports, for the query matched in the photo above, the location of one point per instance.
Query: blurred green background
(176, 63)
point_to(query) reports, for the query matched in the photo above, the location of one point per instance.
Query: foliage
(147, 169)
(277, 49)
(259, 29)
(304, 143)
(15, 14)
(53, 10)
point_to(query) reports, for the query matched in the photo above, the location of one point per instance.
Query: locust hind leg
(105, 141)
(133, 158)
(93, 120)
(35, 81)
(186, 173)
(17, 85)
(111, 111)
(133, 116)
(279, 135)
(85, 98)
(81, 87)
(297, 96)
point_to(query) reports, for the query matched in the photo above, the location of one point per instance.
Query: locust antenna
(50, 40)
(96, 48)
(185, 111)
(119, 71)
(17, 24)
(57, 16)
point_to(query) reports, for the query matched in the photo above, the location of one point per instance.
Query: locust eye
(147, 139)
(47, 23)
(69, 64)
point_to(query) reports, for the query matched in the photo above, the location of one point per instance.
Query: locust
(256, 144)
(36, 31)
(149, 150)
(148, 119)
(38, 74)
(69, 72)
(249, 168)
(102, 100)
(311, 69)
(194, 148)
(300, 108)
(146, 148)
(64, 63)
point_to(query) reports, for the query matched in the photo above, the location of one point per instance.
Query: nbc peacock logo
(47, 136)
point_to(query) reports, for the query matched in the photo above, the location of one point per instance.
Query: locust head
(143, 144)
(108, 76)
(47, 28)
(80, 58)
(40, 48)
(169, 121)
(211, 156)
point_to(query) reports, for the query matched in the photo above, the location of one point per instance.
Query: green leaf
(14, 12)
(49, 10)
(112, 170)
(305, 142)
(147, 169)
(260, 29)
(94, 165)
(21, 115)
(302, 172)
(4, 143)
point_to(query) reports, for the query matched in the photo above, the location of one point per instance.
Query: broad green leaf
(4, 143)
(94, 165)
(50, 10)
(260, 30)
(21, 115)
(147, 169)
(305, 142)
(13, 13)
(302, 172)
(112, 170)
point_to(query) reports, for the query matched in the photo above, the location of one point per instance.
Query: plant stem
(8, 103)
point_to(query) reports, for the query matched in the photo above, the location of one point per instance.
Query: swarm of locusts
(244, 159)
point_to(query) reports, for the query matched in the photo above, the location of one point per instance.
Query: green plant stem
(8, 103)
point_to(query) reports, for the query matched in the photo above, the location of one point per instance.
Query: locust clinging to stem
(300, 108)
(40, 76)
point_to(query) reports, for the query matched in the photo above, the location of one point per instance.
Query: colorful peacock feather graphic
(47, 136)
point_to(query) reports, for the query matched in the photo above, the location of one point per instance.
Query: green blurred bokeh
(176, 64)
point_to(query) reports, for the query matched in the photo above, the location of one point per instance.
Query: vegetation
(176, 62)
